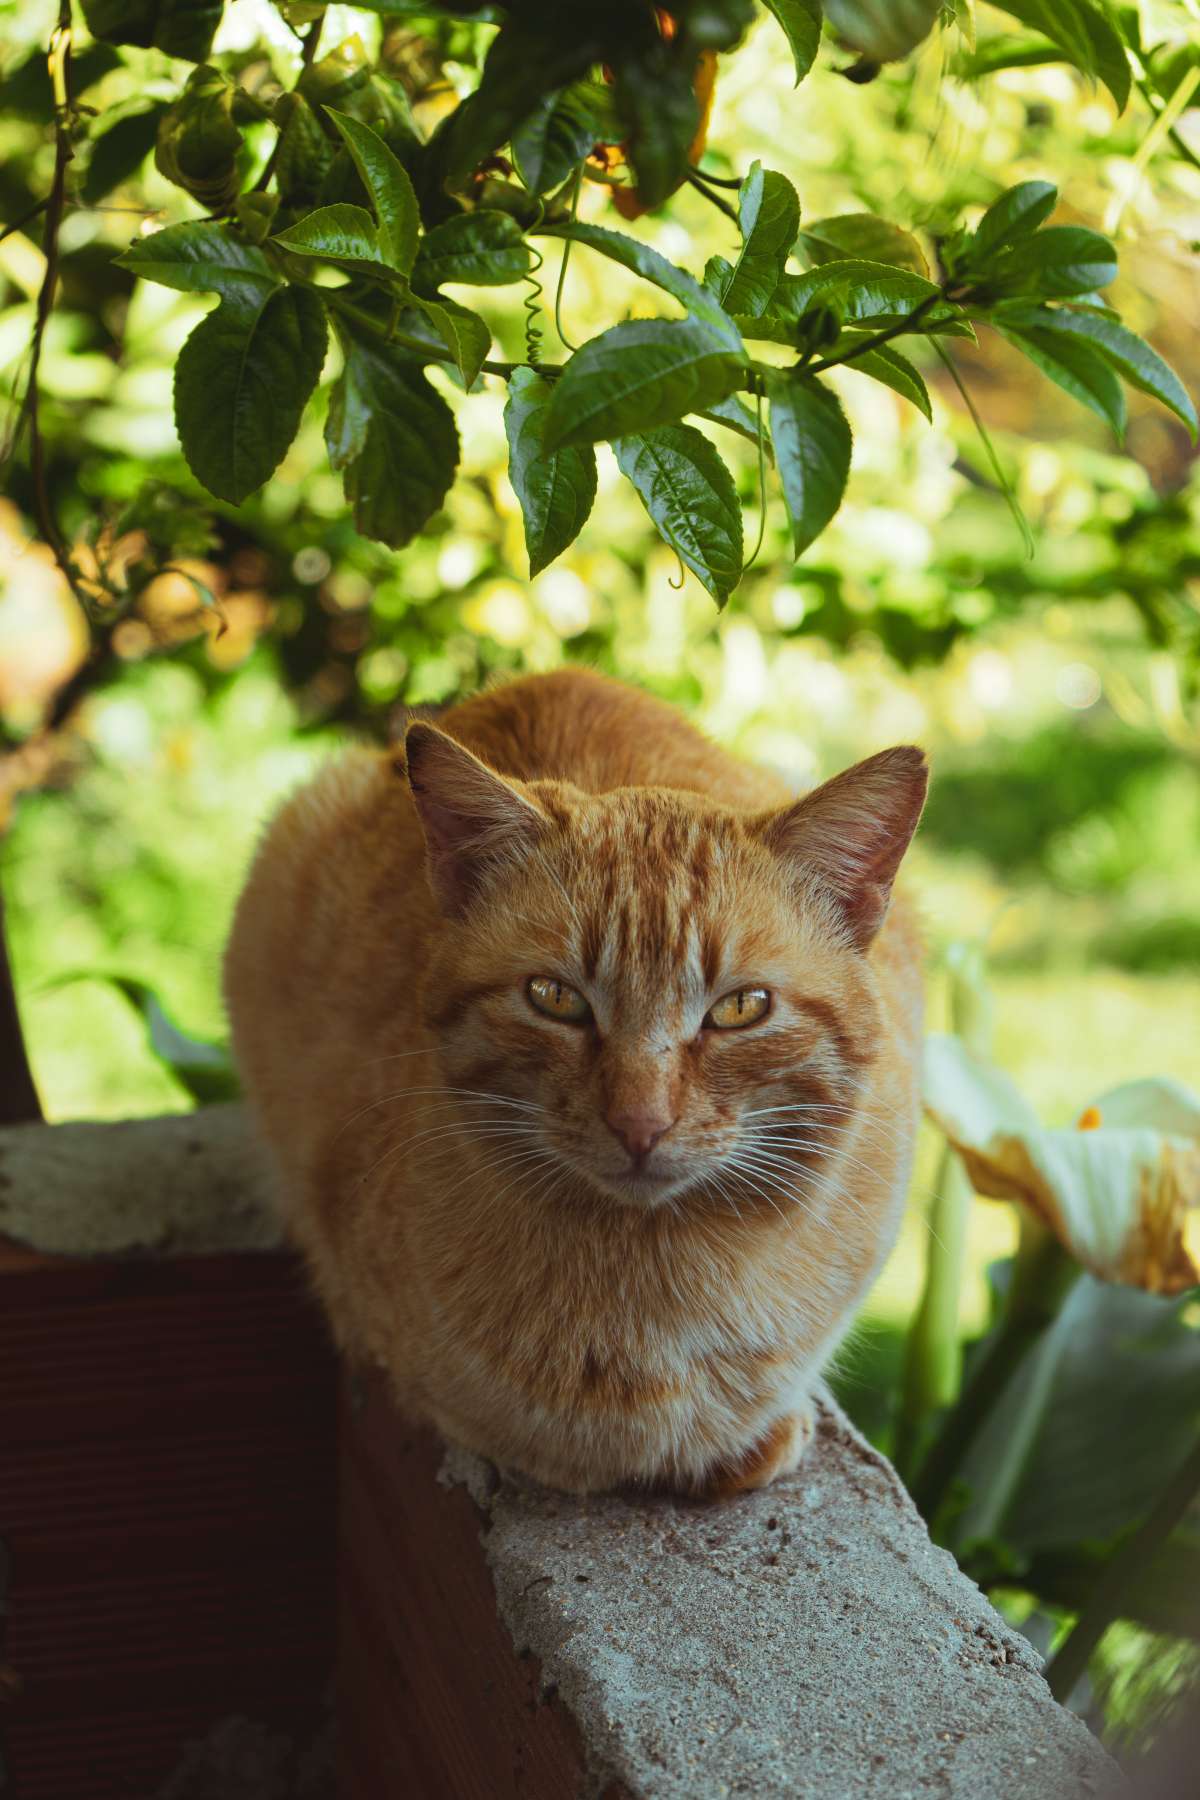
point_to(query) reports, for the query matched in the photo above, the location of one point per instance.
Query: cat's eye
(557, 1000)
(745, 1006)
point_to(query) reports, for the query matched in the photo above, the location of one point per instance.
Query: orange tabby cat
(589, 1062)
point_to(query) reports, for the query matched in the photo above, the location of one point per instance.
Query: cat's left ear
(473, 819)
(850, 834)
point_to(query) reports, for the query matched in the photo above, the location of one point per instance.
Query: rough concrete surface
(806, 1641)
(181, 1185)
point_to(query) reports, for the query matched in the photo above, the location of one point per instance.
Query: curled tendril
(762, 477)
(532, 302)
(671, 582)
(562, 267)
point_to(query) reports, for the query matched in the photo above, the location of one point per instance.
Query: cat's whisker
(827, 1186)
(453, 1130)
(786, 1133)
(833, 1151)
(470, 1093)
(808, 1109)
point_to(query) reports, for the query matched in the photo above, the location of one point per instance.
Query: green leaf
(801, 23)
(527, 59)
(394, 438)
(241, 383)
(893, 369)
(769, 214)
(1136, 361)
(466, 336)
(864, 238)
(735, 415)
(199, 139)
(1095, 1420)
(1060, 261)
(183, 28)
(559, 133)
(483, 248)
(690, 495)
(641, 260)
(119, 152)
(1012, 217)
(812, 449)
(555, 488)
(338, 234)
(660, 115)
(1085, 33)
(883, 30)
(386, 181)
(1008, 51)
(201, 257)
(643, 373)
(304, 153)
(861, 290)
(1078, 369)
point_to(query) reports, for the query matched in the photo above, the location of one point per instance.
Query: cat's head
(647, 990)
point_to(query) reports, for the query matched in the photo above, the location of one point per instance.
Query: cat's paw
(778, 1452)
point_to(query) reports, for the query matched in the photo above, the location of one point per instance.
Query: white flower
(1115, 1191)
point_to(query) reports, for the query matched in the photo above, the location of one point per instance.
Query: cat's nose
(639, 1131)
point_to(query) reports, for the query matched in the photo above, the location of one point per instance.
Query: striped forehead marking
(649, 882)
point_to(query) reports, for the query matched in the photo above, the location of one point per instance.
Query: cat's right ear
(473, 819)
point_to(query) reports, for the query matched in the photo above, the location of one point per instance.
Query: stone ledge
(183, 1184)
(806, 1641)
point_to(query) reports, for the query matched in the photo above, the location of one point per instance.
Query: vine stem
(717, 200)
(1074, 1653)
(26, 218)
(907, 324)
(1157, 107)
(55, 207)
(308, 56)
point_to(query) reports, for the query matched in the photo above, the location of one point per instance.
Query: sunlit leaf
(339, 234)
(1061, 261)
(484, 249)
(387, 182)
(1128, 353)
(812, 442)
(636, 376)
(201, 257)
(1085, 33)
(883, 30)
(555, 488)
(1013, 216)
(690, 495)
(466, 336)
(558, 134)
(1076, 367)
(893, 369)
(801, 23)
(241, 384)
(394, 438)
(865, 238)
(769, 212)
